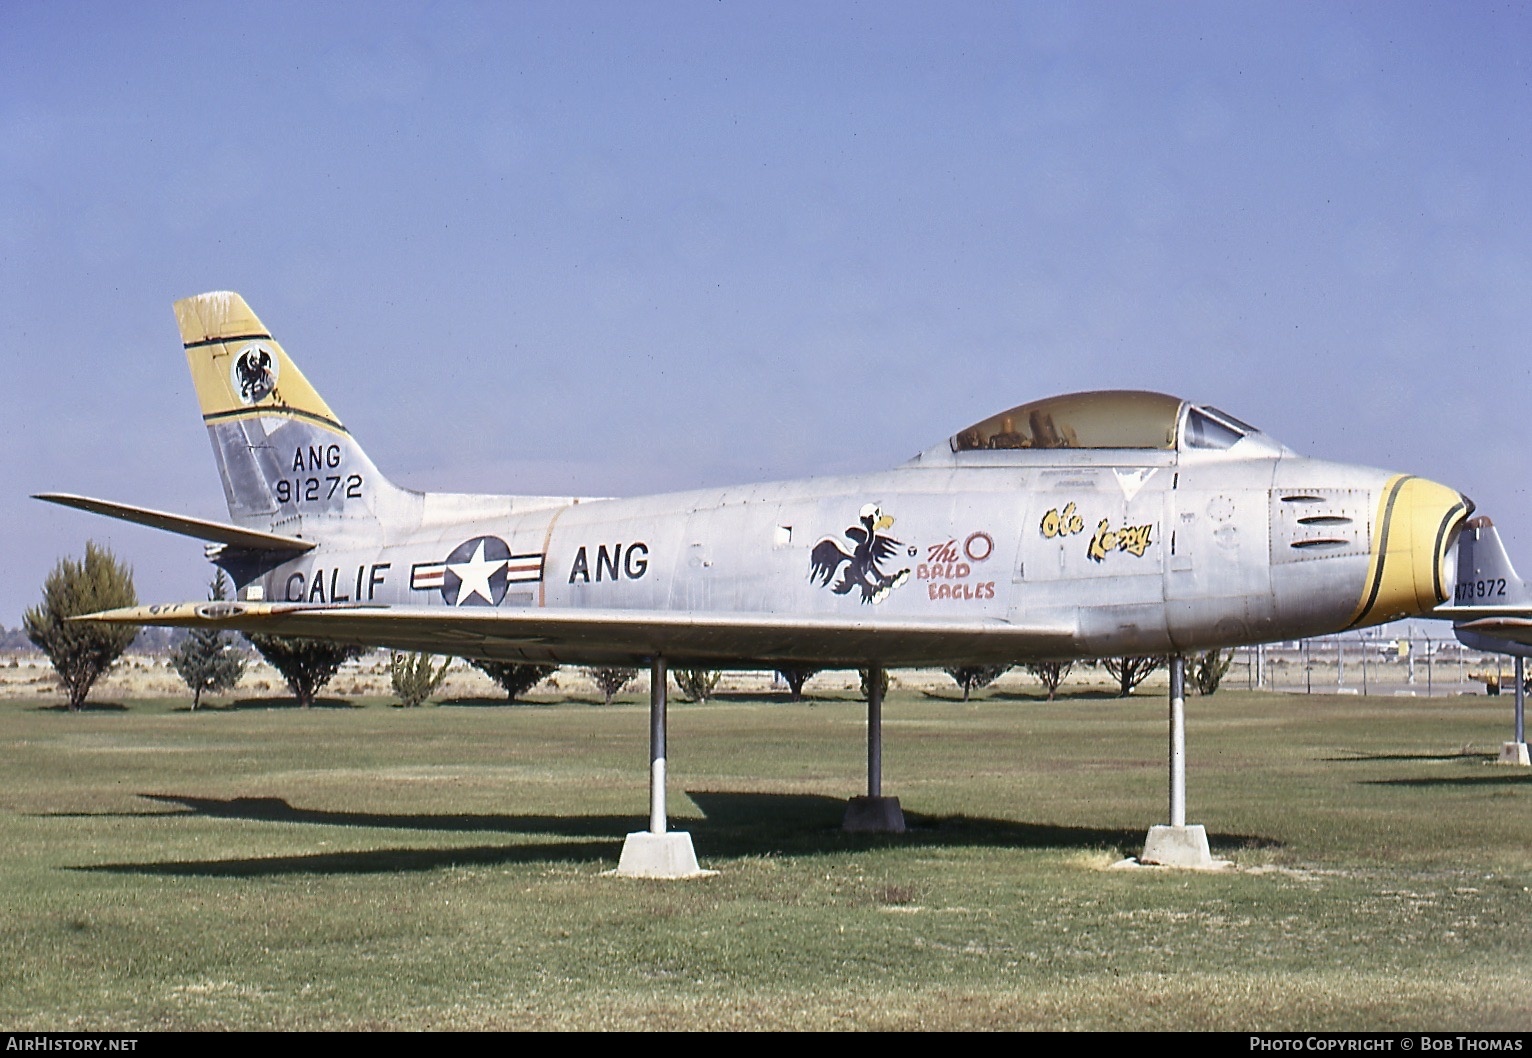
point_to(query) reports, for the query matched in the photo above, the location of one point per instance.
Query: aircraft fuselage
(1162, 552)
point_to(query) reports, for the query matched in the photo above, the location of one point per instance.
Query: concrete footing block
(1515, 753)
(1169, 846)
(646, 854)
(873, 815)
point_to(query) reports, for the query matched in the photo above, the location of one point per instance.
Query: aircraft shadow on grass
(734, 824)
(1505, 777)
(1036, 697)
(270, 704)
(1432, 757)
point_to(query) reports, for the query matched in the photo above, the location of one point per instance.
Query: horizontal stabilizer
(1499, 635)
(626, 636)
(197, 528)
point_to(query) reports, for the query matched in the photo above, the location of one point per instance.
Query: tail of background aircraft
(1485, 574)
(286, 461)
(1486, 579)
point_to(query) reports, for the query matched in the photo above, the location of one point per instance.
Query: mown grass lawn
(366, 866)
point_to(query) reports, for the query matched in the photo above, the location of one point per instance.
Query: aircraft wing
(627, 636)
(197, 528)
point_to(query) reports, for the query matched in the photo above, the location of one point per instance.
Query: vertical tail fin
(1485, 575)
(286, 461)
(1486, 578)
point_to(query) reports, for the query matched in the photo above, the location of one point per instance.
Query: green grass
(443, 868)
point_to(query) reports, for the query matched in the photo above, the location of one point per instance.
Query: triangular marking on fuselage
(1133, 480)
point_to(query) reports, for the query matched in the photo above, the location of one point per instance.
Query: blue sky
(618, 248)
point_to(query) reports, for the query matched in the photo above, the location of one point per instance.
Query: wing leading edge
(627, 636)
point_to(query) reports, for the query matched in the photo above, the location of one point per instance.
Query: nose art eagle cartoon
(861, 561)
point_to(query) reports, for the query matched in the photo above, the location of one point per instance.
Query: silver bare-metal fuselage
(1122, 552)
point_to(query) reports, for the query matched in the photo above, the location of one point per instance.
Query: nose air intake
(1417, 523)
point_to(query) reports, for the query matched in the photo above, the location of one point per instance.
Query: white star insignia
(475, 574)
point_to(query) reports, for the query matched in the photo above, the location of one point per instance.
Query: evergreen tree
(514, 677)
(206, 658)
(81, 653)
(306, 664)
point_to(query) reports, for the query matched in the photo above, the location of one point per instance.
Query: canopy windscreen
(1105, 419)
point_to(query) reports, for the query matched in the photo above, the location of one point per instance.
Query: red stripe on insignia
(425, 578)
(522, 569)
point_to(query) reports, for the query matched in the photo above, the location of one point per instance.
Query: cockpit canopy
(1115, 418)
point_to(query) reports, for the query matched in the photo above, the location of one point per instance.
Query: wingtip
(124, 615)
(178, 613)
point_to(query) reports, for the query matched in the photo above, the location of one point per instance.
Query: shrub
(1208, 669)
(697, 684)
(514, 677)
(611, 680)
(1130, 672)
(306, 664)
(976, 677)
(415, 677)
(795, 676)
(866, 675)
(1050, 674)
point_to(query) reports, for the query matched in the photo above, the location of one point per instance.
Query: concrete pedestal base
(873, 815)
(669, 855)
(1515, 753)
(1169, 846)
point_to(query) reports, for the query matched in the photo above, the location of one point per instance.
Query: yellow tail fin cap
(237, 368)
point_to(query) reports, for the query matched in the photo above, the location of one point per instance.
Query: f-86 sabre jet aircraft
(1088, 525)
